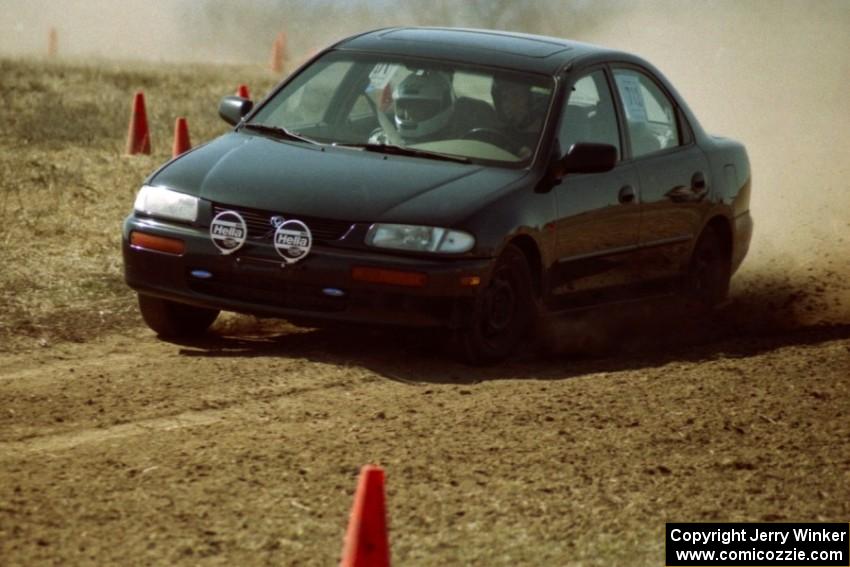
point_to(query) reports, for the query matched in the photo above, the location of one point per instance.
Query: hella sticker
(292, 240)
(228, 231)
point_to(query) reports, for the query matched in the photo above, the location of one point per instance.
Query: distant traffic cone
(242, 90)
(181, 138)
(366, 542)
(278, 53)
(52, 43)
(138, 136)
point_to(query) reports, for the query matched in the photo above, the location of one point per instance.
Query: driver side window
(589, 114)
(307, 102)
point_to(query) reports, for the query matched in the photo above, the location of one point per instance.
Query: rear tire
(503, 312)
(709, 272)
(174, 320)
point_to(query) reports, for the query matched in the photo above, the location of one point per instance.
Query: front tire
(503, 312)
(175, 320)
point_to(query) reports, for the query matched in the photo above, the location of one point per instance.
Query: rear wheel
(503, 311)
(709, 272)
(171, 319)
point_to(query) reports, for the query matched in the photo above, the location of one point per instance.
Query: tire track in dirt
(66, 441)
(46, 371)
(32, 388)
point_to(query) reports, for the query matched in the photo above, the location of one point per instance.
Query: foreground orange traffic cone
(242, 90)
(138, 136)
(278, 53)
(181, 138)
(366, 542)
(52, 43)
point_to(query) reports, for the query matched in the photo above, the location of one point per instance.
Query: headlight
(165, 203)
(419, 238)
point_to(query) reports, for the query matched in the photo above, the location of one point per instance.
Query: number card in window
(630, 92)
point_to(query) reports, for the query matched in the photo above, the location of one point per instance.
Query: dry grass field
(66, 186)
(243, 448)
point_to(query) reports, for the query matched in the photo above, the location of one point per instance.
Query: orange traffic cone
(181, 138)
(278, 53)
(138, 136)
(366, 542)
(52, 43)
(242, 90)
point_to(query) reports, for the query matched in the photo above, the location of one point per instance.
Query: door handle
(698, 185)
(627, 194)
(684, 194)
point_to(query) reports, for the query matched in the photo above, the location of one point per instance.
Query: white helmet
(424, 102)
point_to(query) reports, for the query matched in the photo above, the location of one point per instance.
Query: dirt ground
(244, 447)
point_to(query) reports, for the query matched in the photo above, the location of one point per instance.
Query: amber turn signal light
(158, 243)
(391, 277)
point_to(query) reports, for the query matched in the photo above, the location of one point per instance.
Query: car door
(674, 173)
(598, 214)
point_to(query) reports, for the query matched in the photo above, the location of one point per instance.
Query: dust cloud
(773, 75)
(199, 31)
(130, 29)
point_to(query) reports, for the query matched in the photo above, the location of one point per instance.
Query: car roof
(518, 51)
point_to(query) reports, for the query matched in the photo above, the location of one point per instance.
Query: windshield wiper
(404, 151)
(279, 132)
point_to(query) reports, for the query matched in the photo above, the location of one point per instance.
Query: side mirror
(585, 157)
(233, 108)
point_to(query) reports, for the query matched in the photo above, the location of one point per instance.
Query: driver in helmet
(424, 108)
(516, 112)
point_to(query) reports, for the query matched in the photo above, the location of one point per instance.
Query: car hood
(252, 171)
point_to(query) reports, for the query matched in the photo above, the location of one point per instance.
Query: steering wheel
(493, 136)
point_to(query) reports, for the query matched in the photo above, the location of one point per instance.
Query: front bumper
(317, 289)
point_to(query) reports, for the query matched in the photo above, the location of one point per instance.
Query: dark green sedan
(467, 180)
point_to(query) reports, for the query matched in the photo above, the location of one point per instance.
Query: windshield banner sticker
(228, 231)
(292, 240)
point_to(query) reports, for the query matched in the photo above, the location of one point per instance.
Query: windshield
(374, 101)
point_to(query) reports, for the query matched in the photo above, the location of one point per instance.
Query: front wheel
(503, 311)
(172, 320)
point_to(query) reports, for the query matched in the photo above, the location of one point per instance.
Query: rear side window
(589, 115)
(650, 114)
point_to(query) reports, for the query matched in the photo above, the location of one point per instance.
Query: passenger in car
(520, 118)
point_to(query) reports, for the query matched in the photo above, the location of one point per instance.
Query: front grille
(260, 227)
(268, 292)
